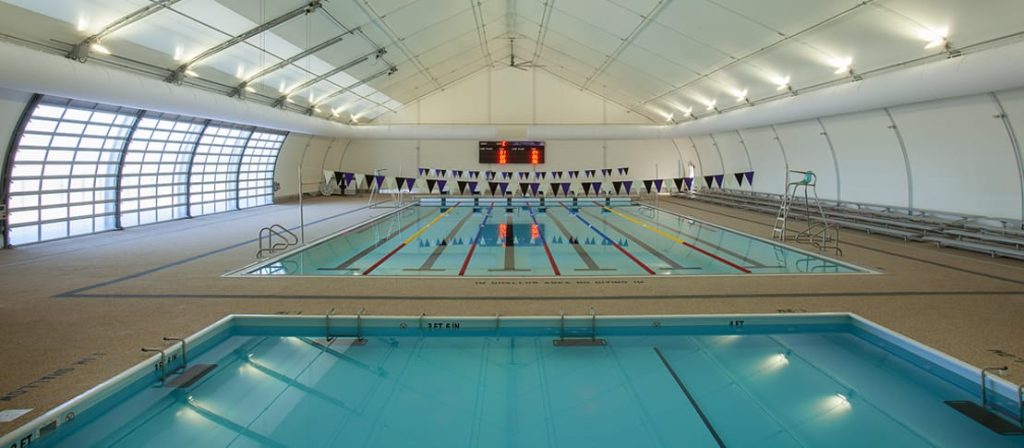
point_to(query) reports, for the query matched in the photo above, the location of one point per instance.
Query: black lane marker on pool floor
(428, 265)
(510, 248)
(587, 259)
(345, 264)
(718, 247)
(672, 264)
(693, 401)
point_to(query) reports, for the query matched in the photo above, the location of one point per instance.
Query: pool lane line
(693, 401)
(543, 241)
(510, 246)
(409, 240)
(359, 255)
(476, 238)
(617, 246)
(587, 259)
(673, 238)
(672, 264)
(428, 265)
(719, 246)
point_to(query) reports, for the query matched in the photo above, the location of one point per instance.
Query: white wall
(12, 105)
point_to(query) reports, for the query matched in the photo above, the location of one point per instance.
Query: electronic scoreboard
(506, 152)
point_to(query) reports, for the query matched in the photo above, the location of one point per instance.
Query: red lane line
(734, 265)
(382, 260)
(546, 250)
(472, 247)
(617, 246)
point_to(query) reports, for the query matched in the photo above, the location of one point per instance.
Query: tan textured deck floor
(75, 312)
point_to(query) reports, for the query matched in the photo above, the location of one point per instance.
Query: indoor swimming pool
(528, 237)
(703, 381)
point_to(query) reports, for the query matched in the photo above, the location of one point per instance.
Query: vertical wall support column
(191, 164)
(238, 170)
(12, 148)
(273, 173)
(120, 169)
(700, 162)
(718, 150)
(835, 160)
(743, 141)
(1015, 145)
(906, 159)
(785, 160)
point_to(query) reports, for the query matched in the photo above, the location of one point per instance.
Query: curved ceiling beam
(334, 71)
(179, 73)
(80, 52)
(646, 20)
(389, 71)
(244, 85)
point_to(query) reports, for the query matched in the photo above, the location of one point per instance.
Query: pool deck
(76, 312)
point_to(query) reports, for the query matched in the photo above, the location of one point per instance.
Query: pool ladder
(359, 339)
(275, 238)
(593, 340)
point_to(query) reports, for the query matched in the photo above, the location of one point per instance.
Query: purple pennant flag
(589, 173)
(474, 174)
(380, 181)
(456, 173)
(472, 187)
(423, 171)
(556, 174)
(565, 188)
(503, 186)
(506, 175)
(627, 185)
(523, 175)
(657, 184)
(689, 182)
(440, 185)
(489, 174)
(534, 186)
(606, 172)
(409, 183)
(718, 179)
(597, 187)
(574, 174)
(750, 177)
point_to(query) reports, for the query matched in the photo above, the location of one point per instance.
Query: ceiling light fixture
(843, 65)
(711, 105)
(670, 117)
(688, 111)
(783, 84)
(99, 48)
(935, 38)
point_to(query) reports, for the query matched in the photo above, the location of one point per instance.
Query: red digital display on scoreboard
(504, 152)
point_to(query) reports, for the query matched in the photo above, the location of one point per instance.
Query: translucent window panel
(65, 169)
(213, 184)
(256, 173)
(161, 143)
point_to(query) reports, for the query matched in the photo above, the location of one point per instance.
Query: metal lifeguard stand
(396, 200)
(819, 231)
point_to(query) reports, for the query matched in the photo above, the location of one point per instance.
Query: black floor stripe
(376, 244)
(672, 264)
(428, 264)
(861, 246)
(587, 259)
(693, 401)
(707, 244)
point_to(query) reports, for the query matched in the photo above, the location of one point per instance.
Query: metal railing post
(984, 387)
(163, 362)
(184, 351)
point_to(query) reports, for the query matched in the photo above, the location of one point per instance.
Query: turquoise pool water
(451, 386)
(493, 240)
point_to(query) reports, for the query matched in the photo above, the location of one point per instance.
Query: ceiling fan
(520, 65)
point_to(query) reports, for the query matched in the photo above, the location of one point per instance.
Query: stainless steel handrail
(184, 351)
(163, 362)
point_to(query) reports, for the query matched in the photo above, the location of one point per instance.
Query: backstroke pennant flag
(679, 183)
(617, 185)
(554, 188)
(534, 186)
(506, 175)
(503, 186)
(440, 185)
(739, 178)
(430, 185)
(522, 176)
(423, 171)
(574, 174)
(597, 187)
(689, 182)
(586, 188)
(590, 173)
(718, 179)
(491, 186)
(474, 174)
(565, 188)
(708, 180)
(606, 172)
(462, 186)
(628, 184)
(369, 180)
(542, 174)
(750, 177)
(472, 187)
(456, 173)
(380, 181)
(647, 184)
(340, 179)
(401, 183)
(411, 183)
(443, 172)
(657, 184)
(556, 174)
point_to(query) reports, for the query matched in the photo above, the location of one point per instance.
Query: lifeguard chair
(819, 231)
